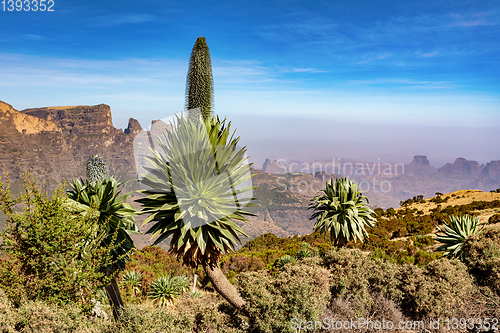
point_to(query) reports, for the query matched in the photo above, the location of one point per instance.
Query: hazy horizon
(304, 80)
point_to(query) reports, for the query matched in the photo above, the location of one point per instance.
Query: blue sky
(359, 79)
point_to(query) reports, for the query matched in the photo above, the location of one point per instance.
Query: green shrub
(424, 241)
(54, 255)
(304, 253)
(422, 258)
(134, 319)
(166, 288)
(34, 317)
(357, 276)
(298, 291)
(438, 289)
(482, 256)
(153, 262)
(6, 314)
(241, 263)
(214, 318)
(132, 280)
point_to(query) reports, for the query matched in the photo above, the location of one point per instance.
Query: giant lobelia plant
(99, 194)
(197, 185)
(342, 212)
(456, 232)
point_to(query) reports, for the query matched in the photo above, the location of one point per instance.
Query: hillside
(462, 198)
(386, 184)
(53, 143)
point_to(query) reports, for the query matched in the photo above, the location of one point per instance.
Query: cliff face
(82, 119)
(460, 168)
(420, 167)
(420, 160)
(133, 127)
(491, 170)
(273, 167)
(54, 143)
(11, 119)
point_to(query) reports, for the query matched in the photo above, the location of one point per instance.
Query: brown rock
(133, 127)
(460, 168)
(11, 119)
(56, 146)
(420, 167)
(491, 170)
(273, 167)
(82, 119)
(420, 160)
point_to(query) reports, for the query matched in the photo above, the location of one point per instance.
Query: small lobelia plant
(133, 280)
(99, 195)
(306, 251)
(166, 288)
(456, 232)
(284, 260)
(342, 212)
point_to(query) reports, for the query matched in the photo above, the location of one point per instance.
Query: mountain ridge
(55, 142)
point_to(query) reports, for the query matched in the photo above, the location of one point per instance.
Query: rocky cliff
(82, 119)
(11, 119)
(273, 167)
(54, 143)
(386, 184)
(133, 127)
(460, 168)
(420, 167)
(420, 160)
(491, 170)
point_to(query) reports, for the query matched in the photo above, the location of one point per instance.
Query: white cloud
(120, 19)
(430, 54)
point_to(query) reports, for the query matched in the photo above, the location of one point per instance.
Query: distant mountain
(53, 143)
(386, 184)
(461, 168)
(420, 167)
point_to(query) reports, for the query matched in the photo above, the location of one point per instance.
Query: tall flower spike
(97, 170)
(199, 82)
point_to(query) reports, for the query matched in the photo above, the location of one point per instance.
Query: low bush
(437, 290)
(481, 254)
(341, 310)
(442, 287)
(36, 317)
(298, 291)
(241, 263)
(355, 276)
(166, 288)
(494, 219)
(54, 255)
(286, 259)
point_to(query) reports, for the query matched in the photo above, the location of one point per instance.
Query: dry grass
(462, 197)
(457, 198)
